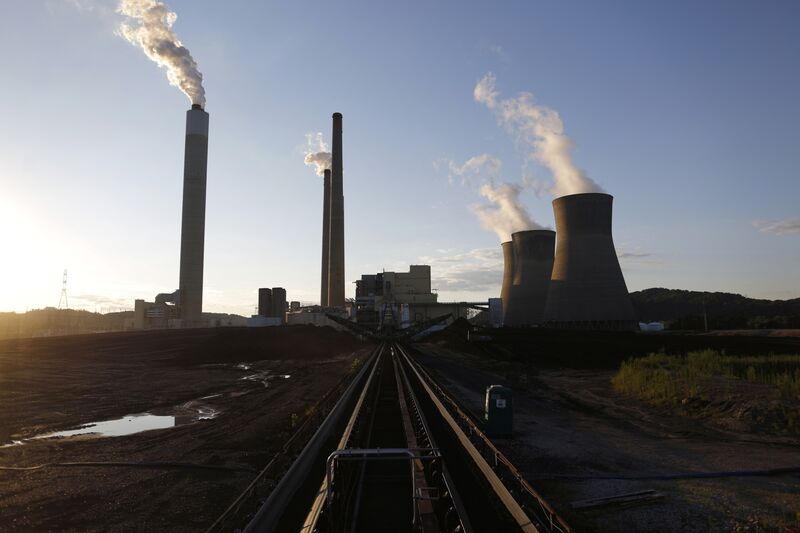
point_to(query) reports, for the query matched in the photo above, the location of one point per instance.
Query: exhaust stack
(193, 219)
(587, 289)
(326, 237)
(533, 266)
(336, 252)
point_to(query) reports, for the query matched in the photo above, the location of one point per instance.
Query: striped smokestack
(326, 237)
(193, 220)
(336, 269)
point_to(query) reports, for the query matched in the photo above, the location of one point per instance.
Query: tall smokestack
(587, 289)
(508, 275)
(336, 269)
(533, 266)
(326, 237)
(193, 221)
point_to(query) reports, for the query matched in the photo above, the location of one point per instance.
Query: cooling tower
(193, 220)
(326, 237)
(508, 275)
(587, 290)
(533, 266)
(336, 269)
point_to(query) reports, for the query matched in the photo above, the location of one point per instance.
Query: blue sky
(685, 111)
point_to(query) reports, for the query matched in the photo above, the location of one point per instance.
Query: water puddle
(126, 425)
(186, 413)
(265, 377)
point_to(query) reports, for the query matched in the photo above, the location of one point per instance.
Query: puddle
(265, 377)
(244, 366)
(126, 425)
(186, 413)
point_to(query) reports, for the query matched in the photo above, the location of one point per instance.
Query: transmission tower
(64, 298)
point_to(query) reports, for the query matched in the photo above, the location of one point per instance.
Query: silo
(533, 266)
(508, 275)
(265, 302)
(193, 219)
(279, 303)
(326, 237)
(587, 289)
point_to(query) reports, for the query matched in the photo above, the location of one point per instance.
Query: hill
(680, 309)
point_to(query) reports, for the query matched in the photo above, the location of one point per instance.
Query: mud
(57, 384)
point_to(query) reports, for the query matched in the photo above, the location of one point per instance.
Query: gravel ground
(570, 422)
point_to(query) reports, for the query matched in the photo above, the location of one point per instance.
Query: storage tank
(587, 289)
(533, 266)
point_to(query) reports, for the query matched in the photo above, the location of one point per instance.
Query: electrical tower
(64, 292)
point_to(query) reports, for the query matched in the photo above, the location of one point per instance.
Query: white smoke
(152, 31)
(505, 214)
(475, 167)
(317, 153)
(541, 130)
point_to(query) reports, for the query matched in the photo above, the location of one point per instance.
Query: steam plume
(505, 214)
(540, 129)
(317, 153)
(152, 31)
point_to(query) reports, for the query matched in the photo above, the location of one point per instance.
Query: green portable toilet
(499, 411)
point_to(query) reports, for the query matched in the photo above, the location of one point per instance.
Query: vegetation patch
(760, 392)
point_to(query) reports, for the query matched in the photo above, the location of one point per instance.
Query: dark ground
(570, 422)
(59, 383)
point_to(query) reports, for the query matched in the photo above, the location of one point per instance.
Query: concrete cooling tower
(587, 289)
(508, 275)
(193, 220)
(532, 266)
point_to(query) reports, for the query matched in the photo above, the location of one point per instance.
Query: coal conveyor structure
(395, 453)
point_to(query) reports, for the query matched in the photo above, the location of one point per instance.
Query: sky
(686, 112)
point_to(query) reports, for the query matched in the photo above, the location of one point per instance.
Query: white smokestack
(505, 214)
(152, 32)
(541, 129)
(318, 153)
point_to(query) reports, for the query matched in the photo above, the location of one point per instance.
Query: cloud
(539, 131)
(475, 270)
(481, 167)
(789, 226)
(100, 300)
(635, 257)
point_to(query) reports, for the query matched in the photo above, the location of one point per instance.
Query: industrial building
(587, 288)
(401, 298)
(272, 304)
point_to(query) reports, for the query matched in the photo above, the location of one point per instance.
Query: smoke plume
(152, 31)
(505, 214)
(475, 167)
(317, 153)
(540, 130)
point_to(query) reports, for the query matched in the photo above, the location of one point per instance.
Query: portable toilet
(498, 413)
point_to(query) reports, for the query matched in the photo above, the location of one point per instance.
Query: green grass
(675, 380)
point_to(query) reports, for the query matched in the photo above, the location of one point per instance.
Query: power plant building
(587, 288)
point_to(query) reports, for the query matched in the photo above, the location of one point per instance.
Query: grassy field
(765, 386)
